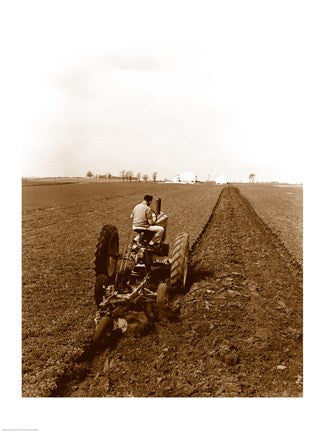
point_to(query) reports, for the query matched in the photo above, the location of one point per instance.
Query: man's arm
(149, 216)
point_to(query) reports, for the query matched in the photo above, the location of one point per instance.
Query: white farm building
(221, 179)
(185, 177)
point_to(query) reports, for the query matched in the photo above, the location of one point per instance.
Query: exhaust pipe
(158, 206)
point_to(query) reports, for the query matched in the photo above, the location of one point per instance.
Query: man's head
(148, 199)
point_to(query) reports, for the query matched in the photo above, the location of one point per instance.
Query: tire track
(240, 332)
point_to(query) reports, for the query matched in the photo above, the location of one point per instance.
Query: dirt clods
(239, 331)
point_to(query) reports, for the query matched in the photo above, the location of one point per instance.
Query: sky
(218, 88)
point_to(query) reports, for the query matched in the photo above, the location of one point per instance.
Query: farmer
(143, 218)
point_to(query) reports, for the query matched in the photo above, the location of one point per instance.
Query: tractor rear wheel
(179, 263)
(106, 254)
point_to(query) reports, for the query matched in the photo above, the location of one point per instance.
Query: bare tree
(252, 178)
(138, 176)
(129, 175)
(109, 175)
(145, 177)
(123, 174)
(154, 176)
(89, 174)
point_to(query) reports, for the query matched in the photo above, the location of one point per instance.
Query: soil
(60, 228)
(239, 333)
(281, 207)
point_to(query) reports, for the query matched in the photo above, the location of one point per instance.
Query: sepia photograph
(160, 214)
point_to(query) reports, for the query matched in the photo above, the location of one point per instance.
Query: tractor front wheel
(162, 295)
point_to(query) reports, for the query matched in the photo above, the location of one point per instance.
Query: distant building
(185, 177)
(221, 179)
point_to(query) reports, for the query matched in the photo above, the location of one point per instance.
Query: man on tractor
(143, 217)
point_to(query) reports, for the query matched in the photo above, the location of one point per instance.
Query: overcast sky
(218, 88)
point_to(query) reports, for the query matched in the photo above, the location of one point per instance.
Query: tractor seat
(139, 230)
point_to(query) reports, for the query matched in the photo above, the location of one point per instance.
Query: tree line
(125, 176)
(129, 176)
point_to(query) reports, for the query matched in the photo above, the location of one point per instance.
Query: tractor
(142, 278)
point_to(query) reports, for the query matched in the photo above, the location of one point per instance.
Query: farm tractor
(140, 279)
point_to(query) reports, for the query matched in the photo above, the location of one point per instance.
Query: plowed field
(240, 328)
(60, 227)
(281, 208)
(239, 332)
